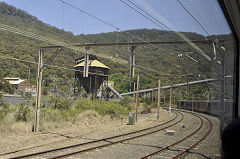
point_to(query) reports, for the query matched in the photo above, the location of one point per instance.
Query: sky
(169, 12)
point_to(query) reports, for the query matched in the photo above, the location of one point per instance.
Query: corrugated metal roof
(11, 78)
(14, 80)
(93, 63)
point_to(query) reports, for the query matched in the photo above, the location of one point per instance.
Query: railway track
(186, 144)
(101, 143)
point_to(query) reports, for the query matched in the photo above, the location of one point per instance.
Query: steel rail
(104, 139)
(183, 139)
(203, 138)
(113, 143)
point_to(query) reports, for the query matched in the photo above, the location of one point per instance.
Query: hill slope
(17, 46)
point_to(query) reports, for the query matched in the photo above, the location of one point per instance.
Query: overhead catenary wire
(189, 42)
(193, 18)
(167, 27)
(75, 48)
(143, 67)
(146, 14)
(47, 40)
(115, 27)
(89, 14)
(33, 62)
(53, 66)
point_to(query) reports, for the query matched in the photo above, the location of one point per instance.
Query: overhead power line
(118, 29)
(193, 18)
(45, 39)
(89, 14)
(183, 37)
(111, 25)
(115, 27)
(142, 43)
(33, 62)
(145, 13)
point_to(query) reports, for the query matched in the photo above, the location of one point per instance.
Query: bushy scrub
(126, 103)
(101, 107)
(146, 106)
(60, 103)
(50, 114)
(4, 108)
(22, 112)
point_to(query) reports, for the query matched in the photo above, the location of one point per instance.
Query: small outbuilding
(19, 85)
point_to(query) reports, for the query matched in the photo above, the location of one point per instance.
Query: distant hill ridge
(13, 45)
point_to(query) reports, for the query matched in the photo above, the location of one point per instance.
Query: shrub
(146, 106)
(125, 101)
(4, 108)
(60, 103)
(22, 112)
(101, 107)
(50, 114)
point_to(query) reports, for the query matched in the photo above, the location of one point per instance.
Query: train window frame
(235, 30)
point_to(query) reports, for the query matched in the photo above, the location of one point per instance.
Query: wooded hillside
(153, 57)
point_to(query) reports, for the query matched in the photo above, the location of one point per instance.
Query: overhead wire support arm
(103, 21)
(183, 37)
(51, 58)
(142, 43)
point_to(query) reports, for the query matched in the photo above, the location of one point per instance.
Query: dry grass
(10, 126)
(86, 118)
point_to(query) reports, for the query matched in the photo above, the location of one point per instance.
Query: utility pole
(90, 85)
(222, 56)
(222, 87)
(187, 94)
(130, 73)
(170, 101)
(152, 99)
(159, 98)
(134, 92)
(170, 97)
(132, 63)
(174, 101)
(192, 103)
(29, 74)
(39, 83)
(137, 97)
(96, 85)
(86, 64)
(164, 100)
